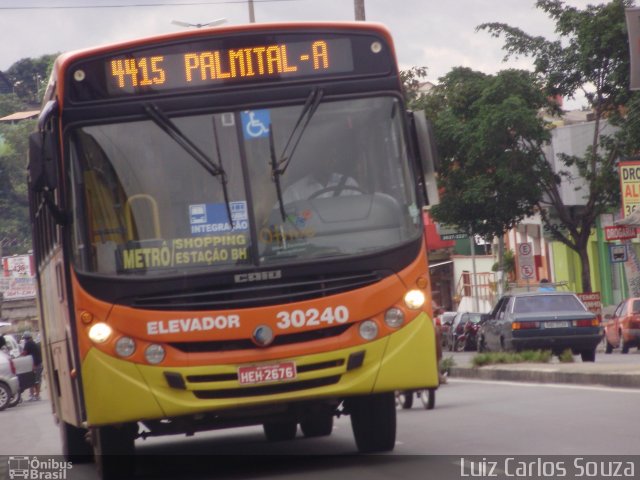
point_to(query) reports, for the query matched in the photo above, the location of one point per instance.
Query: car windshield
(547, 303)
(170, 194)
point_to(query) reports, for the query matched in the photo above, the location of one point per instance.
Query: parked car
(446, 320)
(455, 331)
(553, 321)
(13, 347)
(9, 386)
(622, 329)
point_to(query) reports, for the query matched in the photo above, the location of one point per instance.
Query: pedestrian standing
(33, 349)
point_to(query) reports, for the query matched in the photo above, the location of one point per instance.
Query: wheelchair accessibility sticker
(255, 123)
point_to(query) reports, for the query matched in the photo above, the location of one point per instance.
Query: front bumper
(117, 391)
(558, 343)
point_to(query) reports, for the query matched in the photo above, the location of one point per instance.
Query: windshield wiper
(172, 130)
(278, 167)
(309, 108)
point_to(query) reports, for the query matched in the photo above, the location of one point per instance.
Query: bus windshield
(145, 204)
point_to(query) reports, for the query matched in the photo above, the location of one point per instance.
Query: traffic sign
(629, 173)
(525, 261)
(620, 232)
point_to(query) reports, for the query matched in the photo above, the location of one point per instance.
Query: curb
(550, 374)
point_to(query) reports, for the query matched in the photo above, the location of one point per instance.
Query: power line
(137, 5)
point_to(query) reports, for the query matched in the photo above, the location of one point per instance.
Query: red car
(622, 329)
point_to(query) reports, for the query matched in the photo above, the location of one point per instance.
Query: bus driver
(323, 180)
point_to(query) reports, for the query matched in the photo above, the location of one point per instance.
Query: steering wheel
(335, 188)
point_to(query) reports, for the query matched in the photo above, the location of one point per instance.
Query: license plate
(556, 324)
(276, 372)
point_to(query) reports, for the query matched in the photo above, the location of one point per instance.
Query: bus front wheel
(373, 421)
(113, 450)
(76, 447)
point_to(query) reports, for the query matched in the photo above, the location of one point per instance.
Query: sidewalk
(624, 375)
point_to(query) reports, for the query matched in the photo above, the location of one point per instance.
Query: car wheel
(588, 355)
(373, 421)
(608, 348)
(624, 347)
(428, 398)
(15, 400)
(280, 431)
(5, 396)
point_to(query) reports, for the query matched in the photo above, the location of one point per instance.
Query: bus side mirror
(42, 166)
(427, 154)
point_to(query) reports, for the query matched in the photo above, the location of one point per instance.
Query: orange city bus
(227, 228)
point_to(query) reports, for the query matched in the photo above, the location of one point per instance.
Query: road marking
(548, 385)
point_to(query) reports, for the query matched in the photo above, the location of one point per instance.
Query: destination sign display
(216, 62)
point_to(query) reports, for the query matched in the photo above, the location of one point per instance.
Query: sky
(437, 34)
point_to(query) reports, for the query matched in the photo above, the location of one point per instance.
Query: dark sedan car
(553, 321)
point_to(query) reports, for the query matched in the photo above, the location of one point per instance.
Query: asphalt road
(470, 418)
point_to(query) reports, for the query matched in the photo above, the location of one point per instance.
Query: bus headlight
(414, 299)
(154, 354)
(100, 332)
(394, 317)
(368, 329)
(125, 346)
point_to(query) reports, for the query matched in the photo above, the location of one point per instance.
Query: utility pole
(252, 15)
(358, 5)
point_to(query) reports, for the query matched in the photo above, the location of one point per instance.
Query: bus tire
(319, 425)
(373, 421)
(76, 447)
(280, 431)
(113, 450)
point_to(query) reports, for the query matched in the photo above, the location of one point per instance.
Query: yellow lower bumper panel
(119, 391)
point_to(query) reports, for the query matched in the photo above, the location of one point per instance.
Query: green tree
(490, 138)
(29, 77)
(411, 81)
(591, 56)
(10, 103)
(15, 230)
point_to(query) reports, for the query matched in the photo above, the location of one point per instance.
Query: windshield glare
(142, 204)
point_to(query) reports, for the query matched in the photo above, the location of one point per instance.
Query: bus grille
(218, 297)
(267, 389)
(246, 344)
(223, 377)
